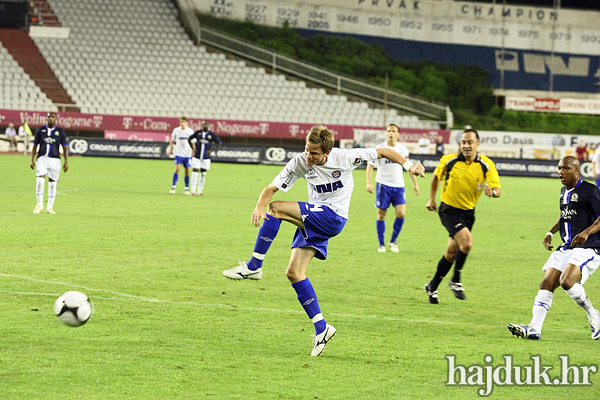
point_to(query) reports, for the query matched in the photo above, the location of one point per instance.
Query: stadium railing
(342, 83)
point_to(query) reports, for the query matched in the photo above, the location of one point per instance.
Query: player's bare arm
(369, 176)
(431, 206)
(214, 149)
(491, 192)
(416, 188)
(415, 169)
(66, 155)
(170, 148)
(263, 201)
(33, 153)
(548, 238)
(582, 237)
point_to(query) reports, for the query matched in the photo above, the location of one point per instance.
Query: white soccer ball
(73, 308)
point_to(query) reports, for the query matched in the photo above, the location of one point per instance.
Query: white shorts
(586, 259)
(48, 166)
(200, 164)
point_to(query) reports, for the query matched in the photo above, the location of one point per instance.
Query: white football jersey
(390, 173)
(180, 137)
(330, 184)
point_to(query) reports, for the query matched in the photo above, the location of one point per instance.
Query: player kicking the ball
(576, 258)
(328, 172)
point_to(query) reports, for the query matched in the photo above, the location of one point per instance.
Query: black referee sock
(458, 266)
(442, 269)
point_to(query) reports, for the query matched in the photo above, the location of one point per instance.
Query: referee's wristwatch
(493, 192)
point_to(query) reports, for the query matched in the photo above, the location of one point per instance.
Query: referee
(464, 175)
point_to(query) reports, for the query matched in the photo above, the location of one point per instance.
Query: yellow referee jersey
(463, 183)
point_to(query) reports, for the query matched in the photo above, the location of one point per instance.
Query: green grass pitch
(167, 324)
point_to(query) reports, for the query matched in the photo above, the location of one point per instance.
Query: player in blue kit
(328, 172)
(50, 139)
(390, 188)
(183, 153)
(202, 143)
(576, 258)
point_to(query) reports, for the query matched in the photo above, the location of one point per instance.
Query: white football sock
(39, 190)
(577, 293)
(201, 183)
(51, 194)
(541, 306)
(194, 182)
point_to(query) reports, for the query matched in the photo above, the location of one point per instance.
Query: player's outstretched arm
(415, 169)
(263, 201)
(431, 206)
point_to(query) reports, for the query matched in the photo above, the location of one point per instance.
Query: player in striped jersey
(576, 258)
(49, 139)
(202, 143)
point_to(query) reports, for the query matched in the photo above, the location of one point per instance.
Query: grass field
(167, 324)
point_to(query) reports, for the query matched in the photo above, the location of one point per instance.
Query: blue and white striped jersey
(579, 208)
(49, 141)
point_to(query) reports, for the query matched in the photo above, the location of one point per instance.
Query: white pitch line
(125, 297)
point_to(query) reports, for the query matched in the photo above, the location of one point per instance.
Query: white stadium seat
(135, 56)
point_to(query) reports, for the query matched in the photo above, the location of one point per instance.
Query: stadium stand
(45, 13)
(135, 58)
(18, 90)
(24, 51)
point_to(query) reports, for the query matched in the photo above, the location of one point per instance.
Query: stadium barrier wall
(515, 166)
(121, 124)
(280, 155)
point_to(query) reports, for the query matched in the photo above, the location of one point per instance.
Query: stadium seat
(140, 48)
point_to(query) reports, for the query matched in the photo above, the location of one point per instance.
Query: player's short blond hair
(321, 136)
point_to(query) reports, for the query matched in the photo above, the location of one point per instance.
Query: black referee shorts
(454, 219)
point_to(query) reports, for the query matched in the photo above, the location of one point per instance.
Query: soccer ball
(73, 308)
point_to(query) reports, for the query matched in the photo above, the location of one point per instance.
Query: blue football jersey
(579, 208)
(49, 141)
(204, 142)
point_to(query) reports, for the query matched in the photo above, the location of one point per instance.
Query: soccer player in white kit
(50, 139)
(328, 173)
(390, 188)
(183, 153)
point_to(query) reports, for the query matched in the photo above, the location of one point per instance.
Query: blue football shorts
(320, 224)
(186, 161)
(386, 195)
